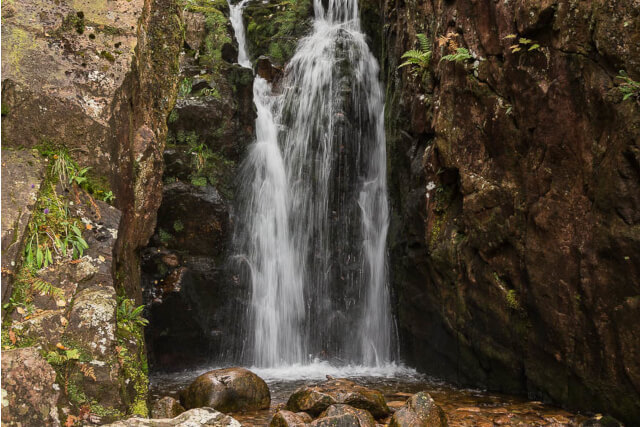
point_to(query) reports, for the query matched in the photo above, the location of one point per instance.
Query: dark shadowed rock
(193, 418)
(344, 416)
(316, 399)
(29, 395)
(419, 411)
(286, 418)
(166, 407)
(228, 390)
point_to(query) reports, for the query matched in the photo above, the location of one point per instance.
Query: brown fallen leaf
(12, 337)
(71, 421)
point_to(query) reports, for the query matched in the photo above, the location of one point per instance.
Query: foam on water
(318, 370)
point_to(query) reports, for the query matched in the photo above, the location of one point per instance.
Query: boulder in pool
(344, 416)
(228, 390)
(419, 411)
(315, 400)
(284, 418)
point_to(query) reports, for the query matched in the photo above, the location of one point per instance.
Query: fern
(419, 58)
(46, 288)
(629, 87)
(424, 42)
(88, 371)
(461, 55)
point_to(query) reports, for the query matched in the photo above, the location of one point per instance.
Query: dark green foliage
(461, 55)
(274, 28)
(630, 88)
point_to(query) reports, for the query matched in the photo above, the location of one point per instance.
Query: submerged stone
(228, 390)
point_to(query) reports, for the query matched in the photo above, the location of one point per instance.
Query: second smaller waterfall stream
(235, 16)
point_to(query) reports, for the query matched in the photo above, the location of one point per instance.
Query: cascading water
(235, 16)
(313, 204)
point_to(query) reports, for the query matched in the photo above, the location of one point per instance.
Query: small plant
(461, 55)
(78, 176)
(629, 87)
(63, 166)
(522, 44)
(164, 235)
(178, 226)
(130, 316)
(419, 58)
(199, 181)
(108, 197)
(52, 231)
(184, 87)
(512, 299)
(210, 92)
(201, 153)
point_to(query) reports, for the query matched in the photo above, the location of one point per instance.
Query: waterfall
(235, 16)
(313, 205)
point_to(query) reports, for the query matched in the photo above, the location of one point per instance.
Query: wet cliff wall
(515, 178)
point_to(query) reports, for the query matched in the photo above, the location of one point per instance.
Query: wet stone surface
(462, 407)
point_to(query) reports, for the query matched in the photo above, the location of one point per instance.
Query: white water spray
(314, 210)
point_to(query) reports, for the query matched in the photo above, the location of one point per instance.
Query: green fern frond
(46, 288)
(461, 55)
(424, 42)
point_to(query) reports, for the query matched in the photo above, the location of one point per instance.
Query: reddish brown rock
(515, 177)
(419, 411)
(284, 418)
(29, 392)
(228, 390)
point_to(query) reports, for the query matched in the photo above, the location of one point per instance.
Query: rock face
(166, 407)
(317, 399)
(22, 173)
(192, 299)
(419, 411)
(228, 390)
(192, 418)
(29, 393)
(515, 239)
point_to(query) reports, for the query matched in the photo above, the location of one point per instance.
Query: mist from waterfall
(313, 210)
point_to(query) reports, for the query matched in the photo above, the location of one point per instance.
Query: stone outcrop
(192, 299)
(228, 390)
(29, 393)
(94, 81)
(515, 183)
